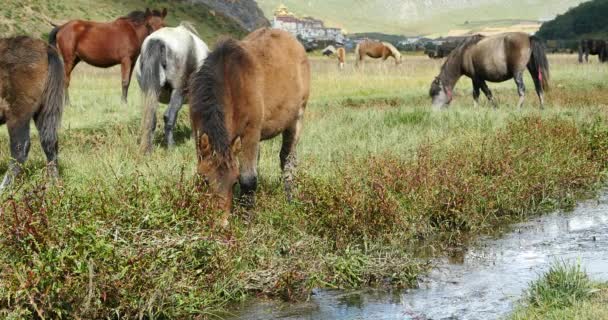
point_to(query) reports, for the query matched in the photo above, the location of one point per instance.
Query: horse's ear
(148, 12)
(164, 13)
(236, 146)
(204, 146)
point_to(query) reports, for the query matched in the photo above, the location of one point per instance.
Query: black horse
(593, 47)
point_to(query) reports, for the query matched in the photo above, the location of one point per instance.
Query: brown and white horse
(245, 92)
(31, 87)
(376, 50)
(495, 58)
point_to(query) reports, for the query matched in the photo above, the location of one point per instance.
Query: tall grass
(382, 182)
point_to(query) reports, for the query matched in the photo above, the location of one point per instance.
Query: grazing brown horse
(248, 91)
(31, 86)
(496, 59)
(593, 47)
(376, 50)
(106, 44)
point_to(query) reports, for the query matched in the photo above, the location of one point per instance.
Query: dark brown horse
(376, 50)
(248, 91)
(593, 47)
(31, 86)
(495, 58)
(106, 44)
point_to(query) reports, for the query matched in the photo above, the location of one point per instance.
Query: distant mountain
(412, 17)
(34, 18)
(588, 20)
(245, 12)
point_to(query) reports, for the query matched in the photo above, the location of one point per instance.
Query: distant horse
(31, 87)
(340, 54)
(106, 44)
(593, 47)
(168, 58)
(376, 50)
(248, 91)
(496, 59)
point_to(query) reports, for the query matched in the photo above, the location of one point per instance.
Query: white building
(307, 28)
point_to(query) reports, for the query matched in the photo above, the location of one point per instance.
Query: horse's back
(285, 72)
(496, 57)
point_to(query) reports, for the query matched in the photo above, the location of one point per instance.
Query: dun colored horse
(376, 50)
(593, 47)
(106, 44)
(31, 87)
(248, 91)
(168, 58)
(340, 54)
(496, 59)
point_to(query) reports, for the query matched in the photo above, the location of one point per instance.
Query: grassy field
(384, 183)
(564, 292)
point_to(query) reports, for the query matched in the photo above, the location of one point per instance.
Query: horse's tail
(539, 65)
(357, 54)
(153, 78)
(53, 36)
(53, 98)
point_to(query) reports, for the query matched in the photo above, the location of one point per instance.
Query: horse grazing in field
(593, 47)
(168, 58)
(31, 87)
(106, 44)
(245, 92)
(340, 54)
(376, 50)
(496, 59)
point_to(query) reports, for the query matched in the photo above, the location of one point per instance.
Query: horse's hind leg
(288, 154)
(49, 143)
(521, 87)
(175, 104)
(19, 136)
(538, 86)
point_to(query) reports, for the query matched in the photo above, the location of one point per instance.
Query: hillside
(245, 12)
(34, 17)
(413, 17)
(588, 20)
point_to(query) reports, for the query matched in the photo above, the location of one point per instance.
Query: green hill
(418, 17)
(34, 17)
(588, 20)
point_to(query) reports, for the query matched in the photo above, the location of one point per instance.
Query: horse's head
(441, 95)
(219, 171)
(155, 19)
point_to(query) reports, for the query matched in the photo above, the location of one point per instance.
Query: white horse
(168, 58)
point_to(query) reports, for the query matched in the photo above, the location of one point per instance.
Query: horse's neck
(142, 32)
(452, 71)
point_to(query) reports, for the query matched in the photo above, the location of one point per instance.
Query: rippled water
(484, 283)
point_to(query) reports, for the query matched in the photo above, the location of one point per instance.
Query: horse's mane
(139, 16)
(394, 50)
(208, 87)
(453, 60)
(190, 27)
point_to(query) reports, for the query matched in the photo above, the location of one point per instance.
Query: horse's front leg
(126, 68)
(476, 93)
(248, 178)
(170, 117)
(488, 93)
